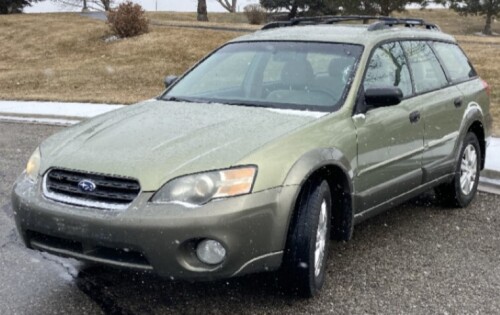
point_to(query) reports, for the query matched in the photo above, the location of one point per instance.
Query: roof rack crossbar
(383, 22)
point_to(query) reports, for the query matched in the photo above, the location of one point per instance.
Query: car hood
(157, 141)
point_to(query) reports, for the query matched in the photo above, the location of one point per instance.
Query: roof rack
(383, 22)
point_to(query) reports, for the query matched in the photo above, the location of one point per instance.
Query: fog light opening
(210, 252)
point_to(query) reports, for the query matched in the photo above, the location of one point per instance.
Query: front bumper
(160, 238)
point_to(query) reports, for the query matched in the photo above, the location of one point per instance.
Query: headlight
(200, 188)
(33, 166)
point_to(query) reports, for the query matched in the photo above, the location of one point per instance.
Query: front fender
(314, 160)
(306, 166)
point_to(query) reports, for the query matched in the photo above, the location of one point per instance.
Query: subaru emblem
(87, 185)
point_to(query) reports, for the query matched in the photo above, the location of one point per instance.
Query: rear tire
(304, 268)
(462, 189)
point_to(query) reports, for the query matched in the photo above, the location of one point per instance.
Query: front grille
(66, 186)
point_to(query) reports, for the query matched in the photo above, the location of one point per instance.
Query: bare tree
(106, 4)
(202, 11)
(99, 5)
(229, 5)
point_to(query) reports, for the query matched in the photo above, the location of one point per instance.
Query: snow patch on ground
(112, 38)
(493, 155)
(55, 109)
(484, 35)
(43, 121)
(69, 272)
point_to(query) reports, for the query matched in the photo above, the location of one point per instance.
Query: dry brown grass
(63, 57)
(486, 59)
(230, 20)
(223, 18)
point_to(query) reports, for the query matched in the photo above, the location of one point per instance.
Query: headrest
(297, 73)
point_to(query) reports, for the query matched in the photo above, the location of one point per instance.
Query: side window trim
(412, 78)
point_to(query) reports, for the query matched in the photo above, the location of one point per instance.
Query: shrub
(255, 13)
(128, 20)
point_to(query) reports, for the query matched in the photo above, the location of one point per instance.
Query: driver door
(390, 139)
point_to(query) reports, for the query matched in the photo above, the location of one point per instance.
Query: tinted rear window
(454, 60)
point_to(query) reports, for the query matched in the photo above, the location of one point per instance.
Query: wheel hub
(468, 169)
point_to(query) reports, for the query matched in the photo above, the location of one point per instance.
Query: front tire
(462, 189)
(304, 269)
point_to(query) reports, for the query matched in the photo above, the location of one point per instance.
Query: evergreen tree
(14, 6)
(377, 7)
(293, 7)
(487, 8)
(364, 7)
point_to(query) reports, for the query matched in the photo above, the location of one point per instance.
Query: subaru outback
(253, 160)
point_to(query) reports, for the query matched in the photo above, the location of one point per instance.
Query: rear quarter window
(454, 60)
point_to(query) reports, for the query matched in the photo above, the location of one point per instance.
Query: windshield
(295, 75)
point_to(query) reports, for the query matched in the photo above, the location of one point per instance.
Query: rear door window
(428, 75)
(454, 60)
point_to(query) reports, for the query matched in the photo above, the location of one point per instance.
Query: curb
(52, 113)
(40, 119)
(489, 182)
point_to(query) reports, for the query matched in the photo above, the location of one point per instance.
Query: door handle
(414, 117)
(458, 102)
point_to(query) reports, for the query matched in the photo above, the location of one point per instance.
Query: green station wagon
(258, 156)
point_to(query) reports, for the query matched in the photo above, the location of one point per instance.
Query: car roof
(344, 33)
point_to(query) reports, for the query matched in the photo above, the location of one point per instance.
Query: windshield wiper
(180, 99)
(242, 103)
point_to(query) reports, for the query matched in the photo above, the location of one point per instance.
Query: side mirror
(169, 80)
(382, 97)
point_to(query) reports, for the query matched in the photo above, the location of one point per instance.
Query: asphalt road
(415, 259)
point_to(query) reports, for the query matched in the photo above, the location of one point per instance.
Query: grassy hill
(64, 57)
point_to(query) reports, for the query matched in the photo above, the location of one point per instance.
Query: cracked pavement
(415, 259)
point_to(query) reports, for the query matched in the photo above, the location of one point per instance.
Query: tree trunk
(487, 26)
(202, 11)
(85, 8)
(293, 11)
(387, 6)
(385, 10)
(107, 5)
